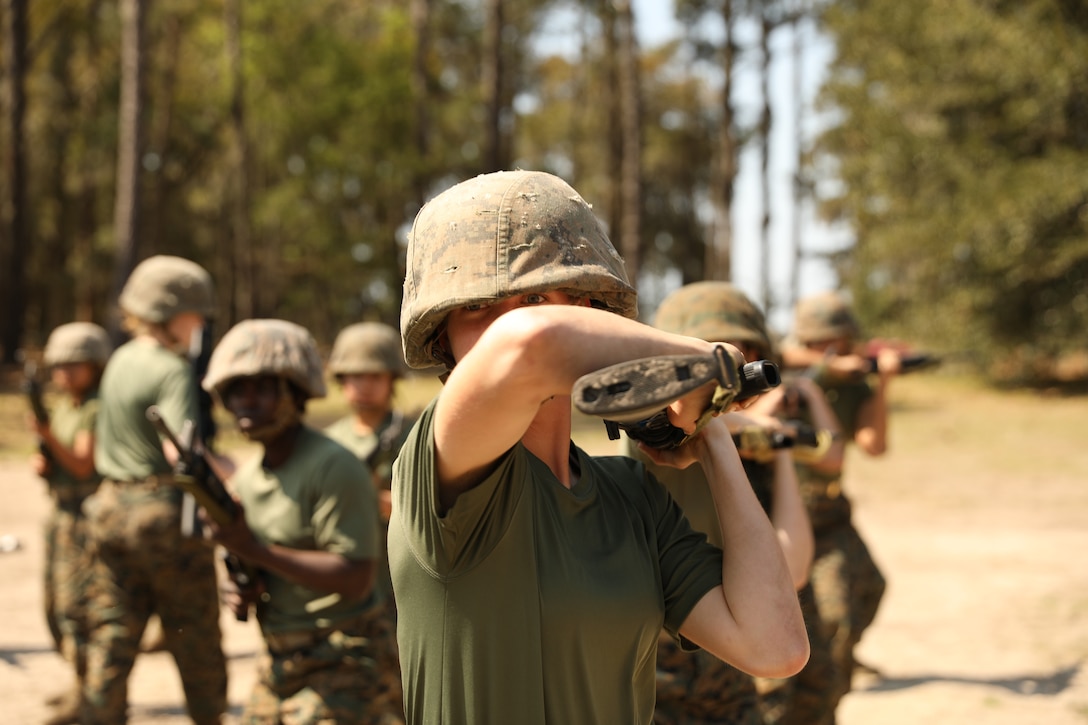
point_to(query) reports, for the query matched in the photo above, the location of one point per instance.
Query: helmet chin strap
(286, 415)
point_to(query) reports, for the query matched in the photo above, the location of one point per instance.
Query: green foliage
(963, 151)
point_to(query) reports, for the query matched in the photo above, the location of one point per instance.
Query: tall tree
(962, 152)
(420, 13)
(16, 220)
(492, 80)
(726, 166)
(244, 289)
(130, 143)
(630, 122)
(766, 27)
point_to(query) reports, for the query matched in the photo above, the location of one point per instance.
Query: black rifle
(194, 475)
(805, 435)
(32, 387)
(909, 363)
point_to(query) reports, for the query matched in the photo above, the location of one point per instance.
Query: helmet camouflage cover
(499, 235)
(77, 342)
(715, 312)
(267, 347)
(825, 316)
(367, 347)
(162, 287)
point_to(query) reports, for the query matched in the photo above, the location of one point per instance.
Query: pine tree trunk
(126, 210)
(14, 212)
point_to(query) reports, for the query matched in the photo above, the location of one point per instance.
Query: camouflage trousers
(349, 675)
(696, 688)
(49, 596)
(143, 565)
(69, 568)
(807, 698)
(848, 588)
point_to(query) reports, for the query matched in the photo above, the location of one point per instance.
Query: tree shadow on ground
(156, 712)
(1051, 684)
(11, 656)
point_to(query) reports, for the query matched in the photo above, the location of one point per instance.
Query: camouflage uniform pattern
(822, 317)
(342, 676)
(367, 347)
(474, 244)
(697, 688)
(808, 697)
(715, 312)
(267, 347)
(69, 562)
(846, 583)
(349, 673)
(69, 572)
(77, 342)
(144, 564)
(162, 287)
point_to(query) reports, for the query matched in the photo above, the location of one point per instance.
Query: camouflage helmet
(162, 287)
(716, 312)
(267, 347)
(367, 347)
(822, 317)
(77, 342)
(499, 235)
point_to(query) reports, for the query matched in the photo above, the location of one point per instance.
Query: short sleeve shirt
(846, 398)
(139, 374)
(688, 487)
(532, 603)
(320, 499)
(67, 420)
(378, 449)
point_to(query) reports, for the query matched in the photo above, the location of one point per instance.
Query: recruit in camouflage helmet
(825, 316)
(162, 287)
(267, 347)
(715, 312)
(77, 342)
(503, 234)
(367, 347)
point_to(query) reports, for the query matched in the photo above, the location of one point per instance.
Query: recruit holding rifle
(32, 387)
(194, 475)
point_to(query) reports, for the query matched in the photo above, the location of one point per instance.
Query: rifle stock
(194, 475)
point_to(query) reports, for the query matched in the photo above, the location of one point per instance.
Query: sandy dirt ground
(985, 619)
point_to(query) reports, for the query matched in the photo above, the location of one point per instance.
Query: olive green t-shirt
(689, 488)
(378, 449)
(67, 420)
(827, 504)
(532, 603)
(139, 374)
(320, 499)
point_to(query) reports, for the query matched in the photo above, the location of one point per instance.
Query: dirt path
(985, 619)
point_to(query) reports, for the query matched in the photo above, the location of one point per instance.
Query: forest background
(287, 147)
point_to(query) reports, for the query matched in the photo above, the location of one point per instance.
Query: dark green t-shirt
(531, 603)
(827, 504)
(320, 499)
(697, 685)
(379, 449)
(67, 420)
(139, 374)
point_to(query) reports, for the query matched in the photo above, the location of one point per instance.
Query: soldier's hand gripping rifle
(806, 443)
(633, 396)
(194, 475)
(32, 387)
